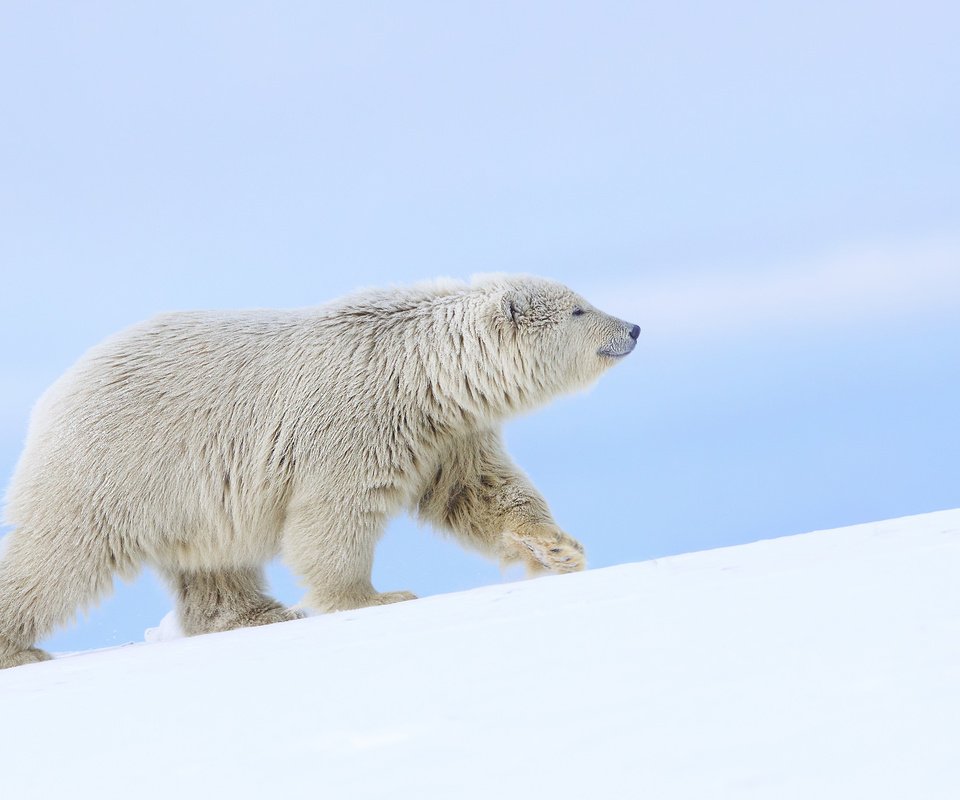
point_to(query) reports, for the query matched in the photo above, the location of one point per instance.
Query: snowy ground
(818, 666)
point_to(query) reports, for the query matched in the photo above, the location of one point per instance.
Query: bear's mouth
(617, 349)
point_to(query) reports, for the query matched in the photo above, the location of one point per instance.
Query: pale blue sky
(771, 190)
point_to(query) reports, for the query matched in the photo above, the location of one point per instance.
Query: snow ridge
(823, 665)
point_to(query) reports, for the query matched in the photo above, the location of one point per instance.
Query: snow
(824, 665)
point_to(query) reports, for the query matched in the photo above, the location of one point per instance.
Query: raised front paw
(546, 548)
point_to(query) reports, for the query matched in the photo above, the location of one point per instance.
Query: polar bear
(206, 443)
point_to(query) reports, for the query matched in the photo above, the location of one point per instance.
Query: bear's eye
(577, 311)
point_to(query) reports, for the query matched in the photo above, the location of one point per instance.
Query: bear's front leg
(479, 495)
(332, 552)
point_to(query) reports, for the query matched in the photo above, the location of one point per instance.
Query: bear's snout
(623, 343)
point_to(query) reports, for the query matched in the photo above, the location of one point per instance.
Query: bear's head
(550, 339)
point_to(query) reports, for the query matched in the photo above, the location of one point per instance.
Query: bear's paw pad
(551, 550)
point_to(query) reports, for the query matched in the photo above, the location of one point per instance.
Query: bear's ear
(512, 305)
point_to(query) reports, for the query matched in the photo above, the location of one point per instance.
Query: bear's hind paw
(32, 655)
(272, 614)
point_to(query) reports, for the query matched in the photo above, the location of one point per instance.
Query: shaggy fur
(207, 443)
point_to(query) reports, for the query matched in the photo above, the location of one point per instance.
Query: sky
(772, 191)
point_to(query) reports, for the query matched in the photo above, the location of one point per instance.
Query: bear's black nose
(635, 332)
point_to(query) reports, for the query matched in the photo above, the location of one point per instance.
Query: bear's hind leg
(45, 577)
(209, 601)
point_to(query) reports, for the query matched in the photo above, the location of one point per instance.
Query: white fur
(207, 443)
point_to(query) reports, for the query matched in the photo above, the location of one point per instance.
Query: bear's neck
(457, 372)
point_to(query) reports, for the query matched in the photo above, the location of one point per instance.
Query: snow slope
(825, 665)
